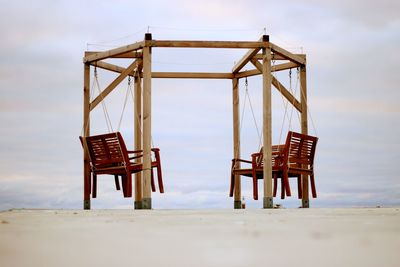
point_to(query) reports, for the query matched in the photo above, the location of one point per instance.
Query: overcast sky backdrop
(353, 87)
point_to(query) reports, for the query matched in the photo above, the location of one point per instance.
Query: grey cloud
(352, 91)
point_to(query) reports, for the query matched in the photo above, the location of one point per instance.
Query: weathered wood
(245, 59)
(171, 75)
(286, 93)
(86, 132)
(146, 127)
(206, 44)
(288, 55)
(113, 52)
(304, 128)
(276, 56)
(247, 73)
(284, 66)
(192, 75)
(267, 128)
(257, 64)
(132, 54)
(138, 139)
(236, 140)
(280, 87)
(279, 67)
(113, 84)
(249, 55)
(115, 68)
(197, 75)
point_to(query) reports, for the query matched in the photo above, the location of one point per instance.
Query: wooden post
(304, 128)
(236, 142)
(267, 126)
(146, 202)
(138, 139)
(86, 132)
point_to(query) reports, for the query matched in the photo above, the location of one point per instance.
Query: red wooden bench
(292, 159)
(108, 155)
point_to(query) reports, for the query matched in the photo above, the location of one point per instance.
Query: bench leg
(232, 187)
(153, 186)
(313, 189)
(129, 182)
(285, 176)
(117, 186)
(299, 187)
(124, 185)
(255, 188)
(94, 186)
(159, 177)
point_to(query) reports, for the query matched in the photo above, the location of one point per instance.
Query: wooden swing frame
(260, 53)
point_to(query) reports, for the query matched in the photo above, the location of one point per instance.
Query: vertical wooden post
(146, 202)
(138, 138)
(236, 142)
(267, 126)
(86, 132)
(304, 129)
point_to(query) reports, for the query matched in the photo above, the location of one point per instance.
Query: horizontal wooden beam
(114, 68)
(132, 54)
(192, 75)
(247, 73)
(182, 75)
(276, 56)
(113, 84)
(284, 66)
(206, 44)
(274, 68)
(288, 55)
(286, 93)
(113, 52)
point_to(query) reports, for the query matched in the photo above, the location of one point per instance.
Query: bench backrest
(106, 150)
(276, 150)
(300, 149)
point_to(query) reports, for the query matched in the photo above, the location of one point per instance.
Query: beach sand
(190, 238)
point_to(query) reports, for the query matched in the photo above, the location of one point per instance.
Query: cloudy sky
(353, 80)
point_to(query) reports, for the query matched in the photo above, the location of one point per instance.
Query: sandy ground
(285, 237)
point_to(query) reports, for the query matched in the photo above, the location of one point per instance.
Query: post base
(146, 204)
(86, 204)
(305, 203)
(138, 205)
(237, 205)
(268, 202)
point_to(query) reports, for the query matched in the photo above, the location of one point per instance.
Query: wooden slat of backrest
(276, 150)
(105, 149)
(302, 149)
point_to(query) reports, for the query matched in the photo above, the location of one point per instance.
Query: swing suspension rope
(308, 110)
(247, 98)
(103, 102)
(125, 101)
(138, 120)
(286, 102)
(96, 86)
